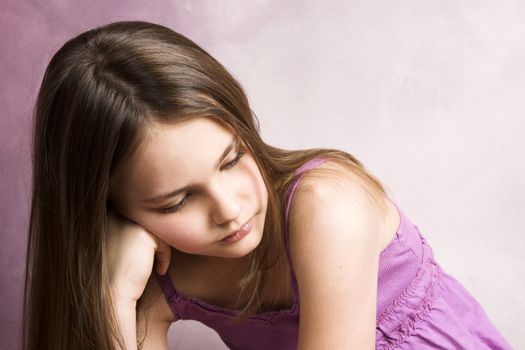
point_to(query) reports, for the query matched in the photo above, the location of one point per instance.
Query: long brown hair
(100, 93)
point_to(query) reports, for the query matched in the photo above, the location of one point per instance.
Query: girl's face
(191, 185)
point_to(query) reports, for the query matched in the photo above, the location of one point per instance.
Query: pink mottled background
(429, 95)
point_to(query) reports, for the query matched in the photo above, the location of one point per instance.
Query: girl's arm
(151, 329)
(334, 245)
(130, 253)
(125, 313)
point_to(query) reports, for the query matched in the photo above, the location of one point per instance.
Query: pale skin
(336, 272)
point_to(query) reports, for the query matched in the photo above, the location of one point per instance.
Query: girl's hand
(130, 252)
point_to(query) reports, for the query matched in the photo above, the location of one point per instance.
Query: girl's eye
(177, 206)
(183, 202)
(231, 164)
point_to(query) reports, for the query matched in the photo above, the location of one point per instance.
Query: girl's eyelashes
(183, 202)
(177, 206)
(231, 164)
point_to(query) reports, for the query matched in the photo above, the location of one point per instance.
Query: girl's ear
(113, 204)
(112, 208)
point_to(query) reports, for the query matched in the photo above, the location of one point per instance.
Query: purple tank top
(419, 306)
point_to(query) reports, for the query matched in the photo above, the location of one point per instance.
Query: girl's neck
(217, 280)
(212, 264)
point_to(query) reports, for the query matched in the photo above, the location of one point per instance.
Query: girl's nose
(225, 207)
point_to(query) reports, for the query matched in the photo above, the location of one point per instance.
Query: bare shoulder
(334, 185)
(154, 317)
(154, 306)
(335, 241)
(331, 192)
(331, 181)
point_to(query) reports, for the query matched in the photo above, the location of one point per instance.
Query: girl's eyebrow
(233, 144)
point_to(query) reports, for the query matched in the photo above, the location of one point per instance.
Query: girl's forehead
(183, 138)
(166, 149)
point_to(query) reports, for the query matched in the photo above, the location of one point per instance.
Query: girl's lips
(245, 229)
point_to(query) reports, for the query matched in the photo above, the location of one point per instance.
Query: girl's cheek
(178, 236)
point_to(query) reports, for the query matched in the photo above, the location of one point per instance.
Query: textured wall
(429, 95)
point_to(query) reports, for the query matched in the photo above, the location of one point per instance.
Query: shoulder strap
(291, 189)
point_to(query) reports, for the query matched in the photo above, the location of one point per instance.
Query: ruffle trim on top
(399, 320)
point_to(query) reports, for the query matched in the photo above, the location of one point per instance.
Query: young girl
(155, 200)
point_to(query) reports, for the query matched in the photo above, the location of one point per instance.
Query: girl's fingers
(163, 254)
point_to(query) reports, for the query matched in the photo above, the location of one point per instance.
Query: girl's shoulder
(331, 190)
(154, 306)
(331, 178)
(332, 182)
